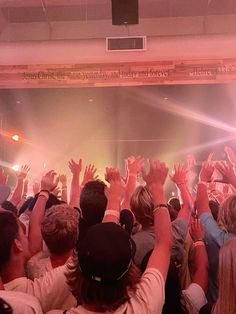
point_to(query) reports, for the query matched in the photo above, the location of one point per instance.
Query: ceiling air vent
(126, 43)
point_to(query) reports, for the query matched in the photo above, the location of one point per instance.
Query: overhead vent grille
(126, 43)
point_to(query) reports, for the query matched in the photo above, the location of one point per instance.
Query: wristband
(158, 206)
(112, 212)
(44, 194)
(202, 182)
(45, 191)
(198, 243)
(198, 239)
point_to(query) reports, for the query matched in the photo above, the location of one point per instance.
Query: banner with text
(118, 74)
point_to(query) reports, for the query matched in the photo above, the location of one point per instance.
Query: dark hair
(53, 200)
(104, 296)
(9, 230)
(5, 308)
(175, 203)
(7, 205)
(173, 213)
(93, 204)
(214, 206)
(25, 205)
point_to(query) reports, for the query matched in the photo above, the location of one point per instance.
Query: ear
(17, 246)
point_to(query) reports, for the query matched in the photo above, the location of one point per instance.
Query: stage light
(15, 167)
(15, 137)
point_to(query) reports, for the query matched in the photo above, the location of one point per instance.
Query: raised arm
(17, 193)
(227, 172)
(24, 195)
(75, 188)
(200, 275)
(134, 165)
(114, 194)
(89, 174)
(63, 180)
(48, 184)
(180, 179)
(205, 176)
(155, 180)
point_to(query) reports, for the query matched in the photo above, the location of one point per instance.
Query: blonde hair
(142, 206)
(60, 228)
(226, 302)
(227, 214)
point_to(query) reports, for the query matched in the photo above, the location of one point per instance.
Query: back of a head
(226, 302)
(9, 231)
(93, 204)
(175, 203)
(104, 270)
(60, 228)
(227, 214)
(142, 206)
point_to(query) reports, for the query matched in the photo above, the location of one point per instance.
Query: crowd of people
(118, 245)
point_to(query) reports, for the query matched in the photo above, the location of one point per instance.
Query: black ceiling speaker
(124, 12)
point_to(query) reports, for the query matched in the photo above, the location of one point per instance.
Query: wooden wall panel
(118, 74)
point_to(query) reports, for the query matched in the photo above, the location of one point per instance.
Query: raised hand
(3, 177)
(206, 172)
(157, 173)
(75, 167)
(180, 174)
(49, 181)
(63, 179)
(230, 155)
(196, 230)
(22, 173)
(227, 172)
(134, 164)
(116, 190)
(89, 174)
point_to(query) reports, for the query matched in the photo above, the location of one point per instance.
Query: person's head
(60, 228)
(13, 242)
(93, 202)
(104, 272)
(142, 206)
(175, 203)
(227, 214)
(226, 302)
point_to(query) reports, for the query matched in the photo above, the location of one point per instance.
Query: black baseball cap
(105, 253)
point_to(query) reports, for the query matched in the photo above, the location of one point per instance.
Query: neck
(12, 270)
(59, 260)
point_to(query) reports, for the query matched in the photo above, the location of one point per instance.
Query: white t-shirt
(51, 290)
(38, 265)
(21, 303)
(193, 298)
(148, 299)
